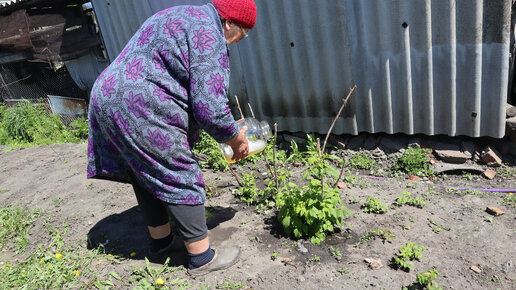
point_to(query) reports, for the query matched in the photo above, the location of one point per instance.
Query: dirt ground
(53, 178)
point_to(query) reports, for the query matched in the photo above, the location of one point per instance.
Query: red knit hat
(239, 12)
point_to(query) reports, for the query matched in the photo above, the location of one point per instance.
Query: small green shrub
(307, 212)
(209, 147)
(361, 161)
(413, 161)
(374, 205)
(426, 280)
(295, 154)
(406, 198)
(410, 251)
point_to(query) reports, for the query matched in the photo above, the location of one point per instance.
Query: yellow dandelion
(110, 255)
(76, 272)
(160, 281)
(50, 267)
(59, 256)
(42, 261)
(510, 193)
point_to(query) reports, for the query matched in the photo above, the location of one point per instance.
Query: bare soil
(53, 178)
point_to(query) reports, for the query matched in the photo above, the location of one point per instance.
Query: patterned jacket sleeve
(209, 79)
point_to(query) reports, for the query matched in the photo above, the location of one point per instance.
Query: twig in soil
(239, 109)
(344, 103)
(274, 155)
(320, 156)
(236, 176)
(340, 175)
(209, 189)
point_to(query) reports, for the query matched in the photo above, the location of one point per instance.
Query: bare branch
(250, 108)
(239, 109)
(344, 103)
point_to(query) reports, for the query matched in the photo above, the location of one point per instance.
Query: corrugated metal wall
(420, 66)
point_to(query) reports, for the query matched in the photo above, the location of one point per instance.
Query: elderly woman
(146, 112)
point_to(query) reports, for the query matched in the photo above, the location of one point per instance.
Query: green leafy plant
(315, 258)
(406, 198)
(335, 252)
(509, 199)
(410, 251)
(413, 161)
(427, 280)
(374, 205)
(231, 285)
(151, 277)
(209, 147)
(274, 256)
(307, 212)
(361, 161)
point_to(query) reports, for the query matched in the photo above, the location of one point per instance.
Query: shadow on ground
(125, 233)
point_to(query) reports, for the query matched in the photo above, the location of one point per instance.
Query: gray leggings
(189, 219)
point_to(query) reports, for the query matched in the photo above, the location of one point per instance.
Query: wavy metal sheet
(420, 66)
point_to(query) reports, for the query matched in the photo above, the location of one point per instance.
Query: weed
(248, 193)
(383, 234)
(374, 205)
(15, 223)
(28, 124)
(274, 256)
(57, 201)
(361, 161)
(151, 277)
(343, 271)
(413, 161)
(315, 258)
(295, 154)
(506, 172)
(231, 285)
(467, 175)
(509, 199)
(410, 251)
(79, 128)
(335, 252)
(306, 212)
(406, 198)
(350, 179)
(412, 185)
(436, 228)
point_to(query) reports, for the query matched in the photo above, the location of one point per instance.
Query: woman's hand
(240, 145)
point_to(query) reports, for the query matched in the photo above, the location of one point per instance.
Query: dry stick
(340, 175)
(209, 189)
(344, 103)
(320, 156)
(239, 109)
(274, 155)
(236, 176)
(250, 108)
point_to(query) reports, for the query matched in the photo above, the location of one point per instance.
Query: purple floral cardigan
(148, 107)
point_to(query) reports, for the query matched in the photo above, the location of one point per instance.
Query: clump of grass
(15, 223)
(53, 266)
(413, 161)
(28, 124)
(361, 161)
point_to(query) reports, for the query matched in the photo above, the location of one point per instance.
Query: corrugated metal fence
(420, 66)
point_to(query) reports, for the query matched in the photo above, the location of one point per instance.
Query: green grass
(361, 161)
(28, 124)
(15, 223)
